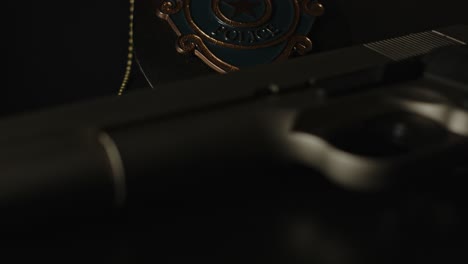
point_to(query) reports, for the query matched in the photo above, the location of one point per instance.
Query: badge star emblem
(243, 7)
(229, 35)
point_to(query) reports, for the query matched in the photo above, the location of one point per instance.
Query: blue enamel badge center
(232, 34)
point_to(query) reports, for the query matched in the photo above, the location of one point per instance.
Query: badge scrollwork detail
(232, 34)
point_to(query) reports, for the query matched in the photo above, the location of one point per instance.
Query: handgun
(367, 118)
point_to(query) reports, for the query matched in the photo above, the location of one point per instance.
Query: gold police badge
(232, 34)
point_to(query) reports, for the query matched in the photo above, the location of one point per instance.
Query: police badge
(232, 34)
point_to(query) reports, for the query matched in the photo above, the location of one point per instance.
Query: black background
(62, 51)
